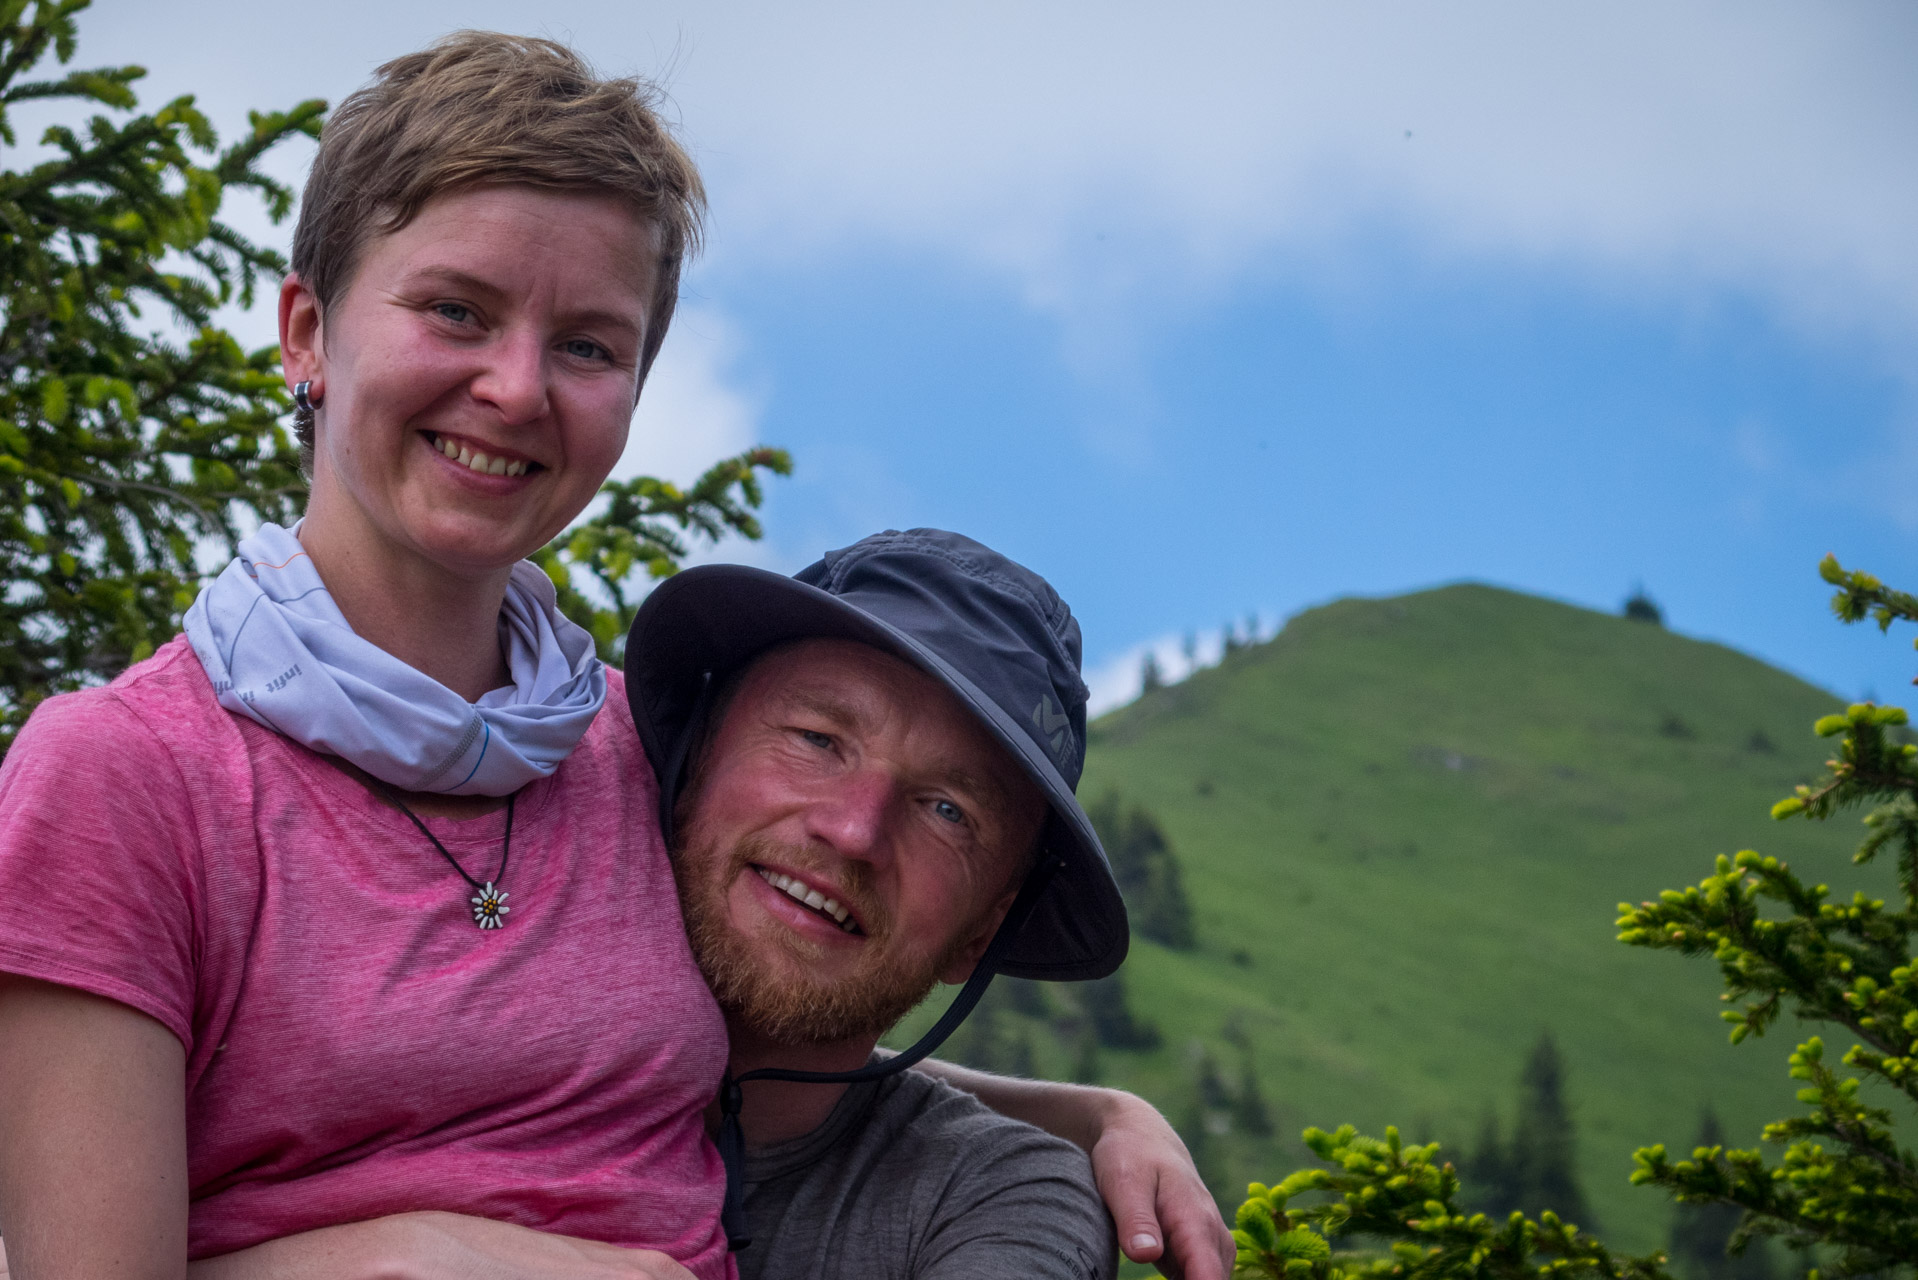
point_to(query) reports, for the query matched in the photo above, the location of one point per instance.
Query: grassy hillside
(1405, 824)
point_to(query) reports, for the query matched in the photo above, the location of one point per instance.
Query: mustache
(847, 880)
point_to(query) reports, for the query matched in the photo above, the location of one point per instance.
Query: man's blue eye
(455, 312)
(949, 811)
(585, 350)
(815, 738)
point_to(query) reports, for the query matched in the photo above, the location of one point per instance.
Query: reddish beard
(769, 980)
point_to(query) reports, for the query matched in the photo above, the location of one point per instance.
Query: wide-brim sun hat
(991, 631)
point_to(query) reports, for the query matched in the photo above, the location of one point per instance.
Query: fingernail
(1143, 1241)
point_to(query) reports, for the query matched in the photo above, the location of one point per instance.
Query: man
(862, 767)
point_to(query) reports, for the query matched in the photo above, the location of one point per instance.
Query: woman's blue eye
(585, 350)
(455, 312)
(949, 811)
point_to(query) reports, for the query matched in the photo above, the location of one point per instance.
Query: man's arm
(93, 1178)
(1161, 1207)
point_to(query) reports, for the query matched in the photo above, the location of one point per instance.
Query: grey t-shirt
(911, 1180)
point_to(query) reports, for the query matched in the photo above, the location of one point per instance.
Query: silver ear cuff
(303, 406)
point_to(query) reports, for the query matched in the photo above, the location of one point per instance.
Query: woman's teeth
(799, 891)
(478, 461)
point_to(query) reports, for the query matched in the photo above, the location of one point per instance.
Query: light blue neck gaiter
(279, 651)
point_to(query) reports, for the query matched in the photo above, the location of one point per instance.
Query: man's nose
(854, 815)
(513, 380)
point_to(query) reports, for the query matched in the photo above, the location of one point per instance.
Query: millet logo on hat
(1054, 726)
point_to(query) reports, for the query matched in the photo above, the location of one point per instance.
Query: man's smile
(811, 898)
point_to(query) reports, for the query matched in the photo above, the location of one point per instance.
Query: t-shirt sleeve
(98, 852)
(1025, 1205)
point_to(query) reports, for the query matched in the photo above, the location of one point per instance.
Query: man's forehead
(864, 687)
(853, 680)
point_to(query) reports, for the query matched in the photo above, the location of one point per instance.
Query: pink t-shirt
(355, 1045)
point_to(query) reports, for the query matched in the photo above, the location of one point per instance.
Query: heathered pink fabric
(355, 1046)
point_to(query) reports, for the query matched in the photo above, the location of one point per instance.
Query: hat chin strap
(732, 1139)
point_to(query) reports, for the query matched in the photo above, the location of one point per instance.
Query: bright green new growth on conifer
(1843, 1194)
(1403, 1198)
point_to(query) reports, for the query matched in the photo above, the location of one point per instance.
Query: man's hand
(436, 1246)
(1163, 1211)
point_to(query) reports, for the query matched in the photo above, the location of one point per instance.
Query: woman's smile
(478, 457)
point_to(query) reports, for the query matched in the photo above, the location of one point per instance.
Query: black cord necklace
(489, 907)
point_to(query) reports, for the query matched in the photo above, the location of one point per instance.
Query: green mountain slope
(1405, 825)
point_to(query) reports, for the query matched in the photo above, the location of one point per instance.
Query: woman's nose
(514, 378)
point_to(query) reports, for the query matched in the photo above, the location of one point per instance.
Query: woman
(346, 901)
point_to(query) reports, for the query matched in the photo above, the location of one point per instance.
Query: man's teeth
(477, 460)
(799, 891)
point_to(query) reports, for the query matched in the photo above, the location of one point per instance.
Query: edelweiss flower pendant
(489, 908)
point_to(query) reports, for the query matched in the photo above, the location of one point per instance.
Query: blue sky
(1226, 309)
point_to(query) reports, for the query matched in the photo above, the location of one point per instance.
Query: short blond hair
(478, 108)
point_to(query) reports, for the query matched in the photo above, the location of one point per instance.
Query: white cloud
(693, 411)
(1758, 144)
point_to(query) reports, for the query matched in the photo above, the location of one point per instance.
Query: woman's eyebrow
(464, 280)
(467, 282)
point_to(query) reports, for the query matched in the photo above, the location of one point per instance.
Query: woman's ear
(301, 341)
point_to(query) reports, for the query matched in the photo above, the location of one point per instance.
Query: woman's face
(477, 375)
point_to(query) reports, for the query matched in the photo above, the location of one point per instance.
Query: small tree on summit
(1640, 607)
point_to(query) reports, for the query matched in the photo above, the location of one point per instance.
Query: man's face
(852, 835)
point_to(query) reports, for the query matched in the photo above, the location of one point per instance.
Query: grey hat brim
(718, 618)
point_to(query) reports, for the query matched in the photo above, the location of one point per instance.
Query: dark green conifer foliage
(1250, 1115)
(1150, 675)
(983, 1040)
(1022, 995)
(1543, 1156)
(118, 448)
(1195, 1128)
(1701, 1232)
(1021, 1059)
(1147, 871)
(1214, 1094)
(1490, 1178)
(1110, 1013)
(1085, 1063)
